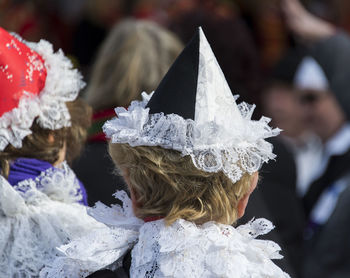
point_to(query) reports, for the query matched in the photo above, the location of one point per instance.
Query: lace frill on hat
(211, 147)
(36, 216)
(220, 137)
(62, 85)
(182, 249)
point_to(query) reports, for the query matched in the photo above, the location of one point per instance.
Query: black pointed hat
(195, 76)
(179, 84)
(194, 112)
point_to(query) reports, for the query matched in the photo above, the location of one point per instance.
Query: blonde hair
(167, 184)
(133, 58)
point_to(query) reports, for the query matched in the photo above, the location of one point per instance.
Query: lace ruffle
(102, 248)
(59, 184)
(243, 150)
(31, 231)
(62, 85)
(180, 250)
(211, 250)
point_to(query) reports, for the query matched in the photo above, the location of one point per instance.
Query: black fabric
(121, 272)
(327, 251)
(105, 273)
(333, 55)
(327, 254)
(338, 166)
(177, 91)
(127, 262)
(285, 69)
(275, 199)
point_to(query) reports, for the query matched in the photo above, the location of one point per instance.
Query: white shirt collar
(340, 142)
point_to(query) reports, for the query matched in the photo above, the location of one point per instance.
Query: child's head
(189, 150)
(46, 144)
(166, 184)
(40, 115)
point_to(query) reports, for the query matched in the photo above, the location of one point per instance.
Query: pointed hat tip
(201, 35)
(200, 30)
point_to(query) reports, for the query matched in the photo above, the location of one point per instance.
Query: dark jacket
(326, 253)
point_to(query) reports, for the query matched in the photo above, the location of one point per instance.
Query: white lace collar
(58, 183)
(33, 225)
(211, 250)
(182, 249)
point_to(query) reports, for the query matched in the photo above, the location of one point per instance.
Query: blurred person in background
(98, 18)
(132, 59)
(326, 198)
(312, 111)
(316, 229)
(281, 103)
(23, 18)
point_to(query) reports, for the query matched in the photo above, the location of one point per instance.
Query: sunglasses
(310, 98)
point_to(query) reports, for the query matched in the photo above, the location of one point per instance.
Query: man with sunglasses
(326, 102)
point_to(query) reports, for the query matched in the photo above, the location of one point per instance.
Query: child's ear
(51, 138)
(242, 203)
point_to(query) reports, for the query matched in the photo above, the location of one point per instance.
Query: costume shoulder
(11, 203)
(32, 226)
(210, 250)
(180, 250)
(101, 248)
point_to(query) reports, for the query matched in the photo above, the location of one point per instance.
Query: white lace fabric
(62, 85)
(182, 249)
(211, 147)
(35, 219)
(58, 183)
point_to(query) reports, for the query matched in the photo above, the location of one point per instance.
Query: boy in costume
(42, 123)
(190, 156)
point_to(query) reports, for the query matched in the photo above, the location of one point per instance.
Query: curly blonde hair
(168, 185)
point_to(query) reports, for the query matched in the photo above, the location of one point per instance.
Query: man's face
(323, 114)
(282, 105)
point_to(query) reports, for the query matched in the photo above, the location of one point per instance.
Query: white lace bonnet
(35, 85)
(194, 112)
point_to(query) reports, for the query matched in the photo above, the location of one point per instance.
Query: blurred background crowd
(79, 26)
(291, 58)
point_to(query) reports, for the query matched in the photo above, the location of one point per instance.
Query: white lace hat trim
(211, 147)
(62, 85)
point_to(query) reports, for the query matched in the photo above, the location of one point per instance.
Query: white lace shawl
(34, 220)
(182, 249)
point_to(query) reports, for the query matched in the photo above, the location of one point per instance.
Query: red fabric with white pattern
(22, 72)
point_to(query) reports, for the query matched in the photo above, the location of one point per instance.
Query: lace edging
(101, 248)
(59, 184)
(116, 216)
(30, 232)
(182, 249)
(212, 148)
